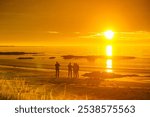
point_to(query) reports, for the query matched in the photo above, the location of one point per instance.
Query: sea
(125, 59)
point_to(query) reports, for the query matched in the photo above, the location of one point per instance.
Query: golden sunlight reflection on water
(109, 61)
(109, 35)
(109, 65)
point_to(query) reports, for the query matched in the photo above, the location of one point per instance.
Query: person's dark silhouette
(57, 65)
(77, 70)
(69, 70)
(74, 70)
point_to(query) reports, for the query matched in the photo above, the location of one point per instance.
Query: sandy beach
(17, 83)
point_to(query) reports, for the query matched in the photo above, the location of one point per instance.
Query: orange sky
(52, 22)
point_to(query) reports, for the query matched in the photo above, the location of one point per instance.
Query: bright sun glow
(109, 34)
(109, 50)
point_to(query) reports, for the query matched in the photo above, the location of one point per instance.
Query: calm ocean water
(139, 65)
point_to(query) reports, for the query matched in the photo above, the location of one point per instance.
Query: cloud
(136, 34)
(98, 35)
(133, 33)
(92, 35)
(53, 32)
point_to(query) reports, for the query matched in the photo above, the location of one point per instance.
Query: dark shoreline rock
(25, 58)
(52, 57)
(96, 57)
(16, 53)
(104, 75)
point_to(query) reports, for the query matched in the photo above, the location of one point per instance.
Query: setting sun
(109, 34)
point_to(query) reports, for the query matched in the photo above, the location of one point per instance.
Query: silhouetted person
(57, 65)
(77, 70)
(74, 70)
(69, 70)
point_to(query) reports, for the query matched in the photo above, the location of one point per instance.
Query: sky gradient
(48, 22)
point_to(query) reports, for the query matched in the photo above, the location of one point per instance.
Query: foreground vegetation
(16, 88)
(19, 89)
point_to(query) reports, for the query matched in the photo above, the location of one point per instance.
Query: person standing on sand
(69, 70)
(74, 70)
(77, 70)
(57, 65)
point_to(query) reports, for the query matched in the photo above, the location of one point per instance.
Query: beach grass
(19, 88)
